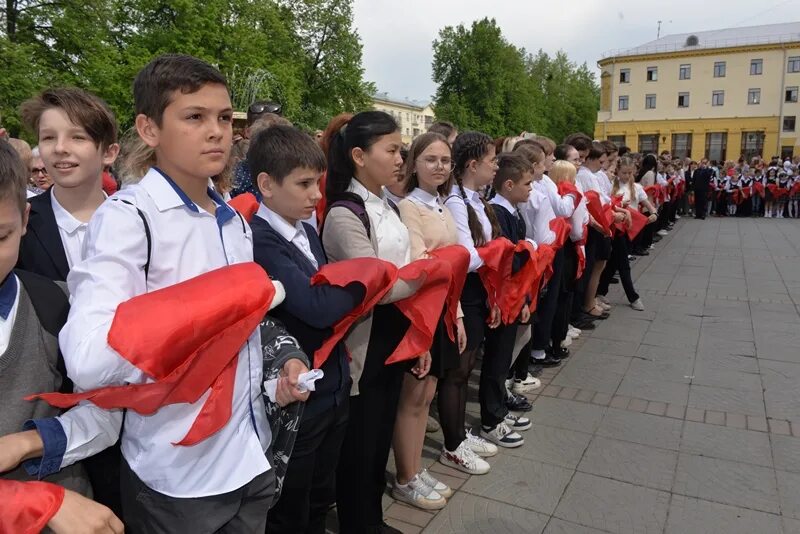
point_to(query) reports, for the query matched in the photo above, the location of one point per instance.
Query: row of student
(171, 227)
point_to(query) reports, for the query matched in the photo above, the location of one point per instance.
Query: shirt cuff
(55, 445)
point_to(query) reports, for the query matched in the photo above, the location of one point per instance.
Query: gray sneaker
(417, 493)
(637, 305)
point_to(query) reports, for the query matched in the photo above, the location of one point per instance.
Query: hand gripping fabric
(187, 342)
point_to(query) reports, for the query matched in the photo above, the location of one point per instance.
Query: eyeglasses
(265, 107)
(38, 170)
(433, 163)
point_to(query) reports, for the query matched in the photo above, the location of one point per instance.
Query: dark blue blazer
(308, 312)
(41, 250)
(513, 229)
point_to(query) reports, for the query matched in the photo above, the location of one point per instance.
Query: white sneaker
(573, 332)
(677, 216)
(464, 460)
(439, 487)
(566, 342)
(603, 300)
(523, 386)
(480, 446)
(417, 493)
(662, 233)
(603, 306)
(503, 436)
(652, 247)
(637, 305)
(517, 422)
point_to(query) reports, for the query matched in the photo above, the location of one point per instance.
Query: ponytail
(470, 146)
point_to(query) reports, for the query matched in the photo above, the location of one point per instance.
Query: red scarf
(27, 507)
(187, 342)
(566, 188)
(458, 259)
(758, 187)
(246, 204)
(597, 211)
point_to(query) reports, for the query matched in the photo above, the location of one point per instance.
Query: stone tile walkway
(684, 418)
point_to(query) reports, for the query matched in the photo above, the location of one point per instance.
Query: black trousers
(146, 511)
(497, 355)
(700, 200)
(309, 487)
(546, 309)
(361, 474)
(565, 299)
(619, 262)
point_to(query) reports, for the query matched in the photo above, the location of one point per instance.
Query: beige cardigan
(344, 237)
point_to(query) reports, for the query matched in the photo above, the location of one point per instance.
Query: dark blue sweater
(308, 312)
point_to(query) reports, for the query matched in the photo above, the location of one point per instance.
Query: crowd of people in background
(512, 242)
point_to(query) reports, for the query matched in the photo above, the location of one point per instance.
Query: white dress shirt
(579, 218)
(562, 206)
(71, 230)
(295, 235)
(589, 181)
(458, 208)
(186, 241)
(604, 182)
(7, 324)
(537, 213)
(394, 244)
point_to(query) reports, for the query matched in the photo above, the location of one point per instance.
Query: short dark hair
(610, 147)
(279, 150)
(562, 151)
(84, 109)
(580, 141)
(510, 166)
(531, 152)
(443, 127)
(13, 176)
(596, 151)
(622, 150)
(167, 73)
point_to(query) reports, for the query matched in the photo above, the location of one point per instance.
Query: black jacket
(41, 250)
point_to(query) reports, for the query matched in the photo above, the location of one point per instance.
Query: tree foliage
(486, 83)
(302, 53)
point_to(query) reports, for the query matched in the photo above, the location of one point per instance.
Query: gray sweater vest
(30, 365)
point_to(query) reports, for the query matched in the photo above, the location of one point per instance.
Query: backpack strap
(51, 305)
(146, 232)
(358, 209)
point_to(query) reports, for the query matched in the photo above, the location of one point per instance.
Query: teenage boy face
(12, 228)
(520, 190)
(71, 157)
(196, 133)
(296, 197)
(574, 158)
(595, 165)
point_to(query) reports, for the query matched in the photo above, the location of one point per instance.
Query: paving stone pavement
(684, 418)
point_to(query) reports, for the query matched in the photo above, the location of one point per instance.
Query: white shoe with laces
(480, 446)
(517, 422)
(464, 460)
(521, 386)
(502, 435)
(566, 342)
(439, 487)
(417, 493)
(574, 332)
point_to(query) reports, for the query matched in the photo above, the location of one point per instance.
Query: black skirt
(444, 352)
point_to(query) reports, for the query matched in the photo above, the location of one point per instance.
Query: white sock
(538, 354)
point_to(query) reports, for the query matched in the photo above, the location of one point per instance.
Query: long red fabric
(595, 208)
(567, 188)
(377, 277)
(458, 259)
(26, 507)
(187, 342)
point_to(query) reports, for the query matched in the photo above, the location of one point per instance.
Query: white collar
(64, 219)
(424, 197)
(369, 198)
(279, 224)
(500, 200)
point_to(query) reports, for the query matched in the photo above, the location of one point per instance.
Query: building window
(685, 72)
(652, 74)
(718, 98)
(716, 145)
(719, 69)
(754, 96)
(756, 67)
(794, 64)
(787, 152)
(682, 145)
(648, 144)
(625, 76)
(788, 123)
(623, 103)
(752, 145)
(650, 102)
(791, 94)
(683, 100)
(618, 140)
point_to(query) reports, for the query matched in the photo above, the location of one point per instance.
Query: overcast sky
(397, 35)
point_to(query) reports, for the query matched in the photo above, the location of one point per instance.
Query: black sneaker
(559, 353)
(548, 360)
(614, 280)
(518, 403)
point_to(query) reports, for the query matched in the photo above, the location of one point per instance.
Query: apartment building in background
(413, 116)
(716, 94)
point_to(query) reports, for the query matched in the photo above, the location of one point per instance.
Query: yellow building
(717, 94)
(414, 117)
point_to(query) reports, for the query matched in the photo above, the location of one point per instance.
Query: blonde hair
(135, 158)
(508, 144)
(624, 161)
(24, 151)
(563, 171)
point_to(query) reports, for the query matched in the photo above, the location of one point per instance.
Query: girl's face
(433, 166)
(539, 170)
(625, 174)
(519, 191)
(380, 164)
(484, 168)
(549, 159)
